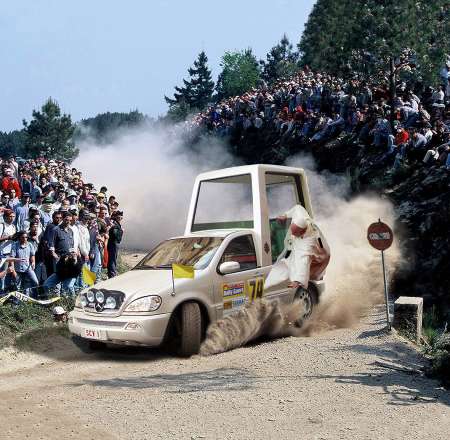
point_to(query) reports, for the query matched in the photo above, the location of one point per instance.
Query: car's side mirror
(229, 267)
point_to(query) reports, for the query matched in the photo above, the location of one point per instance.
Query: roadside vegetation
(23, 324)
(436, 346)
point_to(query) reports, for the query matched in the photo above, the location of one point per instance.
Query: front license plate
(95, 334)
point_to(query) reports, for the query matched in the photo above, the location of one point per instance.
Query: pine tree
(202, 85)
(49, 133)
(281, 61)
(196, 92)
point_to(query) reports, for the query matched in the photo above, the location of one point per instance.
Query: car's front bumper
(124, 330)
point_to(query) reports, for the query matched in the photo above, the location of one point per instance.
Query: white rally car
(231, 240)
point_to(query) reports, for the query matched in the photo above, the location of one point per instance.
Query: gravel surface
(359, 383)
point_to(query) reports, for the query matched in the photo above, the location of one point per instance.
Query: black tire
(190, 329)
(309, 299)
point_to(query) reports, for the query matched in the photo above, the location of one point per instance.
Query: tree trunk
(392, 87)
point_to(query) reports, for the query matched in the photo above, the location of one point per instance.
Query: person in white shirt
(7, 233)
(84, 245)
(75, 230)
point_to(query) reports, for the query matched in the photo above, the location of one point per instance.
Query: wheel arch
(206, 318)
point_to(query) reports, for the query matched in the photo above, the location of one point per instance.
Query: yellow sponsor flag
(182, 271)
(88, 276)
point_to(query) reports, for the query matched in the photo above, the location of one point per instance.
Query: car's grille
(100, 323)
(99, 307)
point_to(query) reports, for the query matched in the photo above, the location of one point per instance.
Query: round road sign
(380, 236)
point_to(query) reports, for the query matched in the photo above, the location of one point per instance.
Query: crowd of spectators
(53, 227)
(314, 107)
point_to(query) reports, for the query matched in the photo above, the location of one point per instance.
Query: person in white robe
(306, 253)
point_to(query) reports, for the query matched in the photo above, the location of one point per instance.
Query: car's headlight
(145, 304)
(80, 301)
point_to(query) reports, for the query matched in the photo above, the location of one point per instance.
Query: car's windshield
(191, 251)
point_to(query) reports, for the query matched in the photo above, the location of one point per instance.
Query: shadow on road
(405, 385)
(221, 379)
(57, 344)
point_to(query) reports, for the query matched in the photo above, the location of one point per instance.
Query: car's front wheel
(190, 325)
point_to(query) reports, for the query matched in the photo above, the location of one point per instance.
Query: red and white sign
(380, 236)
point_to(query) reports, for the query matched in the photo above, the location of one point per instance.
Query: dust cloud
(262, 318)
(151, 172)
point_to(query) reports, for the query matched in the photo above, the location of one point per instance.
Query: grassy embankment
(436, 346)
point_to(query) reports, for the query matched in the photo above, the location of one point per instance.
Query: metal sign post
(380, 237)
(386, 295)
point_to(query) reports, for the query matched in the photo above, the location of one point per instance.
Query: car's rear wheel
(308, 298)
(190, 328)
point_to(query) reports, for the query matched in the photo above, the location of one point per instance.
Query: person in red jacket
(401, 137)
(9, 182)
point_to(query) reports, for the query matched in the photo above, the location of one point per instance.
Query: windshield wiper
(157, 266)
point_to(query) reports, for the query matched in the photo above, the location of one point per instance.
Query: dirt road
(356, 383)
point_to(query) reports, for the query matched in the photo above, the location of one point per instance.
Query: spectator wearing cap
(115, 238)
(9, 182)
(22, 261)
(22, 211)
(72, 197)
(93, 193)
(113, 206)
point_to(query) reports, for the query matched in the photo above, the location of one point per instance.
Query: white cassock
(307, 256)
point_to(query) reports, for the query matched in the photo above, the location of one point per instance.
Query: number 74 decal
(255, 289)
